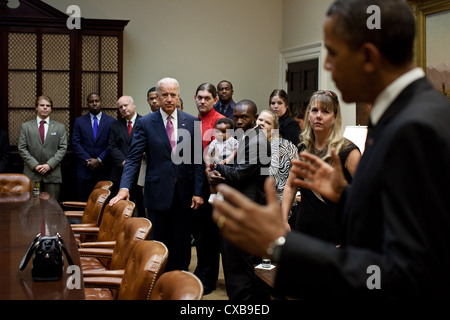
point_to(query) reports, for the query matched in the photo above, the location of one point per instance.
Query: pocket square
(53, 133)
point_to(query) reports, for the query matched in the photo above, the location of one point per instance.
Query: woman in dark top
(322, 133)
(289, 128)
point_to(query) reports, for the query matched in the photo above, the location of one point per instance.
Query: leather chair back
(103, 185)
(133, 231)
(95, 205)
(14, 187)
(177, 285)
(112, 219)
(147, 262)
(14, 182)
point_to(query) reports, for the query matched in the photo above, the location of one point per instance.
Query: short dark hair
(207, 87)
(250, 104)
(395, 38)
(300, 112)
(91, 94)
(152, 89)
(227, 121)
(231, 85)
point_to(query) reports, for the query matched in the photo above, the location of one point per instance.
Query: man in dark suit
(247, 174)
(174, 173)
(90, 139)
(226, 104)
(396, 213)
(120, 137)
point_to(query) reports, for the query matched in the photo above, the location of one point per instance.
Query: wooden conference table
(20, 222)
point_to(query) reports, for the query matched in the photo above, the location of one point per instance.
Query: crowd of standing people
(239, 146)
(204, 177)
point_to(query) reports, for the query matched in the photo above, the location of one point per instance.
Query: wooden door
(303, 81)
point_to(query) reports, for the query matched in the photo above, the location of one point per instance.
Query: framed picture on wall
(432, 45)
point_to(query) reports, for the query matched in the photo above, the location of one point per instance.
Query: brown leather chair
(14, 187)
(177, 285)
(92, 212)
(81, 204)
(106, 233)
(145, 265)
(132, 232)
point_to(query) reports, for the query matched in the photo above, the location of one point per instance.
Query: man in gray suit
(42, 146)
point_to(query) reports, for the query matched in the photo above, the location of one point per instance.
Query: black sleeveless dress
(315, 216)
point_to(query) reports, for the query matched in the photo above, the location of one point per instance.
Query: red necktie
(42, 130)
(129, 128)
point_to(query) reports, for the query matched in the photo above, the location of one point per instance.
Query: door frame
(299, 54)
(309, 52)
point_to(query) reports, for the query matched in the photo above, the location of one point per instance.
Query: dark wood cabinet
(40, 55)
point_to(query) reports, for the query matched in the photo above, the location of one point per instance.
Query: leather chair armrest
(74, 214)
(102, 282)
(95, 252)
(74, 204)
(87, 225)
(85, 228)
(100, 244)
(104, 273)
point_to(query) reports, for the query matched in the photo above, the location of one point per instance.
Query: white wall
(302, 26)
(195, 41)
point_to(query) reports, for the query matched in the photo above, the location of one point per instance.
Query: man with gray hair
(120, 137)
(172, 189)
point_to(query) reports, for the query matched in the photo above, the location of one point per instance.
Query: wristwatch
(274, 250)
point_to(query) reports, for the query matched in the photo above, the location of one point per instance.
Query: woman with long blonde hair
(322, 133)
(283, 151)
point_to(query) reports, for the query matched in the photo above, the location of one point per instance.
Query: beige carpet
(220, 293)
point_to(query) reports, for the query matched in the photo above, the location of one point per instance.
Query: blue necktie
(95, 127)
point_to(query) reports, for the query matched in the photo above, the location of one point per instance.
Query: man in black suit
(247, 174)
(120, 137)
(396, 213)
(225, 105)
(174, 175)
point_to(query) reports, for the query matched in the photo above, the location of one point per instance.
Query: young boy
(223, 149)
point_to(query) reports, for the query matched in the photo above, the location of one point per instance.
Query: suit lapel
(397, 106)
(181, 123)
(88, 124)
(132, 130)
(35, 130)
(123, 128)
(49, 131)
(101, 125)
(161, 129)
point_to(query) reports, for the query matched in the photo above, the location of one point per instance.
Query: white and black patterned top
(283, 151)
